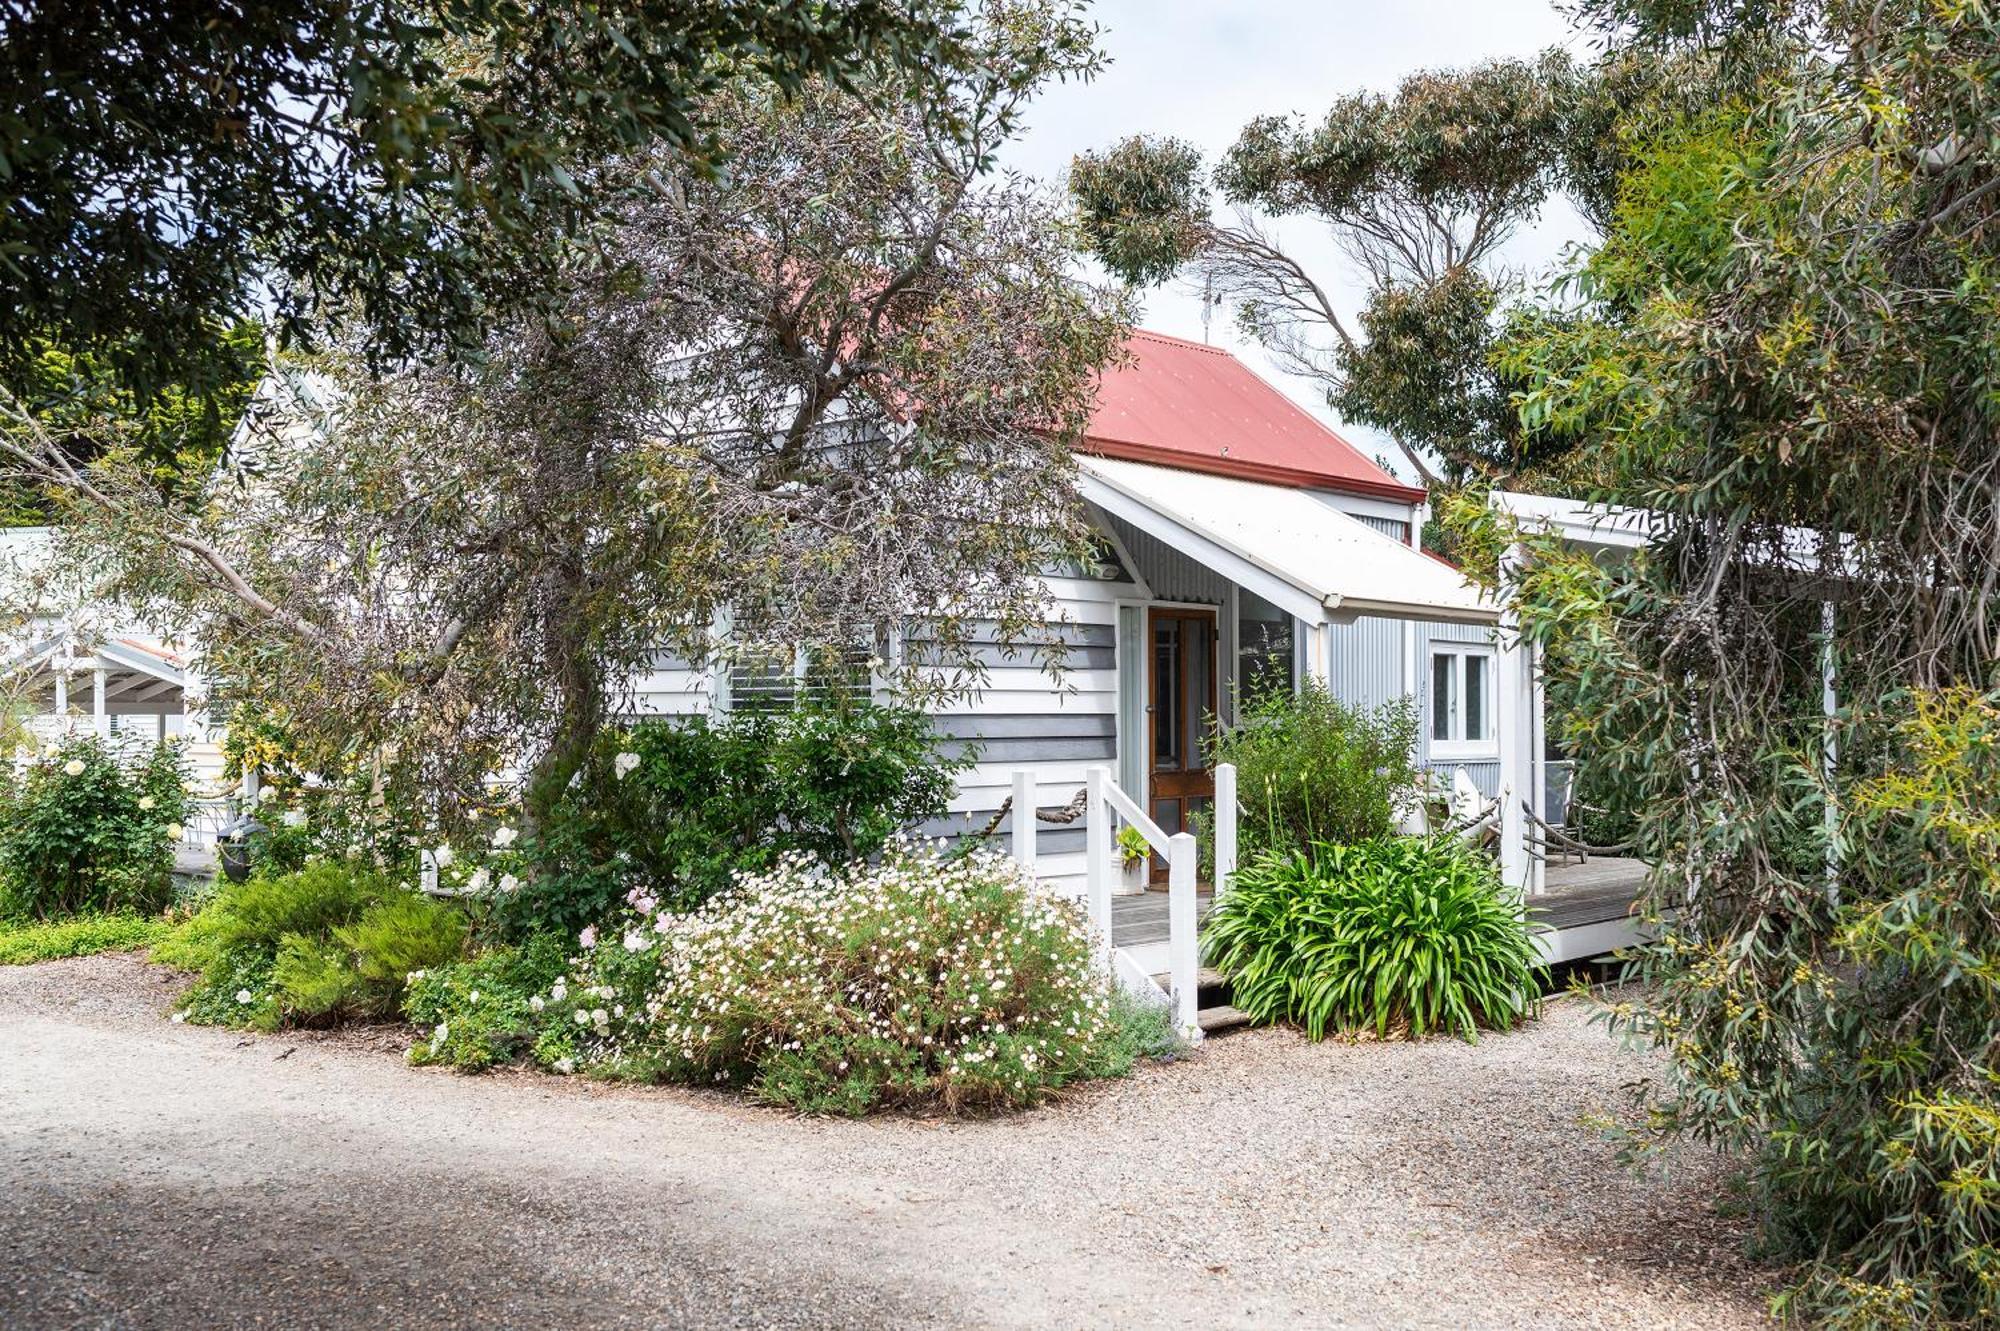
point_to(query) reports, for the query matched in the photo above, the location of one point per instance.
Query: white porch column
(1513, 717)
(99, 716)
(62, 691)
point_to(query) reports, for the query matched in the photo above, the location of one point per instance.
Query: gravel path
(159, 1175)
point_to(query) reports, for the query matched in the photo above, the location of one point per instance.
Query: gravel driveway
(160, 1175)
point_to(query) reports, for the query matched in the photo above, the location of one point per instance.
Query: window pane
(1166, 698)
(1263, 648)
(1476, 672)
(1441, 695)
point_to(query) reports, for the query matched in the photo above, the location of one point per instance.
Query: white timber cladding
(1057, 729)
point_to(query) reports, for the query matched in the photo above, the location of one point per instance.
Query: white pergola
(124, 678)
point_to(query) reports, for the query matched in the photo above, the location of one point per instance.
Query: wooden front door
(1180, 701)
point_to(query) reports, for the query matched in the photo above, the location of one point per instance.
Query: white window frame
(1458, 746)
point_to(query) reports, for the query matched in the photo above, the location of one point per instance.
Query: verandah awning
(1290, 547)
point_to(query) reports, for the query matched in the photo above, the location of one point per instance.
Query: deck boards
(1600, 889)
(1142, 918)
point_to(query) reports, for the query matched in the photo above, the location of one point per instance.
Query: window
(1264, 650)
(1462, 702)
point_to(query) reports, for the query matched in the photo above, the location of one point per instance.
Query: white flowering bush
(923, 979)
(80, 832)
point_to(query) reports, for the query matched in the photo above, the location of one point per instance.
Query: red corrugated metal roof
(1183, 404)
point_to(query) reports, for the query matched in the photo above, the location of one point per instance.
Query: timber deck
(1597, 891)
(1585, 910)
(1142, 918)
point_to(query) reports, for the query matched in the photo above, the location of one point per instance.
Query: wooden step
(1214, 1020)
(1208, 977)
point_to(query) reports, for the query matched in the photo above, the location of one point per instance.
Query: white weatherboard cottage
(1242, 537)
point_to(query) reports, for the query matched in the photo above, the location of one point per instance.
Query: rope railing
(1068, 813)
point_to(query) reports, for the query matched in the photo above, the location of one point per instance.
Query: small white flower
(509, 883)
(294, 818)
(624, 765)
(503, 837)
(267, 794)
(473, 997)
(438, 1035)
(146, 803)
(565, 1066)
(178, 1018)
(442, 855)
(74, 767)
(243, 995)
(588, 938)
(559, 992)
(478, 881)
(535, 1003)
(173, 831)
(582, 1017)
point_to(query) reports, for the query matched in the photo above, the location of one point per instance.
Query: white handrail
(1103, 801)
(1131, 813)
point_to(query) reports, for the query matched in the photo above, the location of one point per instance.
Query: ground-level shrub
(78, 832)
(487, 1010)
(1310, 768)
(26, 941)
(674, 809)
(332, 941)
(1408, 934)
(919, 980)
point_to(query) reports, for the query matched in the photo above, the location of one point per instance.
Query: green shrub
(333, 941)
(1396, 933)
(401, 934)
(488, 1010)
(312, 902)
(673, 809)
(79, 833)
(919, 980)
(26, 941)
(1310, 768)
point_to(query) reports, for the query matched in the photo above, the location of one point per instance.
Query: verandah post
(1097, 859)
(1183, 955)
(1225, 827)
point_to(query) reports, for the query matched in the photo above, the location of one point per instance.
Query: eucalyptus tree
(167, 170)
(1420, 190)
(1785, 352)
(826, 390)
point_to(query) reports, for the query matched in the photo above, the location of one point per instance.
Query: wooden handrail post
(1024, 819)
(1097, 859)
(1183, 952)
(1225, 827)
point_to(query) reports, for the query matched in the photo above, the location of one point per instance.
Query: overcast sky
(1200, 69)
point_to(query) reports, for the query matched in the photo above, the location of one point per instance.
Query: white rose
(509, 883)
(243, 995)
(624, 765)
(503, 837)
(146, 802)
(442, 855)
(173, 831)
(478, 881)
(74, 767)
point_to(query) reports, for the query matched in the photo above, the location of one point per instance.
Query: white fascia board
(1281, 592)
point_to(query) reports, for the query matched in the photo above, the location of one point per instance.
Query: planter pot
(234, 856)
(1132, 876)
